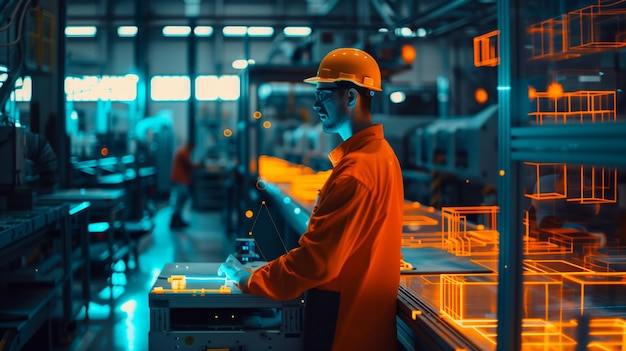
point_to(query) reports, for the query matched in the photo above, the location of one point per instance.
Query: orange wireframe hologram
(605, 334)
(487, 49)
(597, 27)
(534, 246)
(611, 259)
(553, 267)
(579, 283)
(578, 106)
(418, 220)
(589, 29)
(462, 238)
(576, 241)
(538, 334)
(598, 185)
(551, 188)
(549, 39)
(420, 226)
(470, 300)
(422, 239)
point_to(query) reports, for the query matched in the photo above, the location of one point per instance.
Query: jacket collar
(355, 142)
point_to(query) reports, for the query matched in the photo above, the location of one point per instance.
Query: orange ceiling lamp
(408, 54)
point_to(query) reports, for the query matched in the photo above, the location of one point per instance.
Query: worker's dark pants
(180, 194)
(320, 319)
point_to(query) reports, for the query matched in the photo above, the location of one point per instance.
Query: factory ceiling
(433, 17)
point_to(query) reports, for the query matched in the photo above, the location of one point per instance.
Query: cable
(20, 27)
(12, 17)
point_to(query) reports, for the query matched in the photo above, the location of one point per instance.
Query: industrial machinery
(191, 308)
(460, 146)
(31, 167)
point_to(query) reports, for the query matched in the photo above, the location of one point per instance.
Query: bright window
(229, 87)
(119, 88)
(211, 88)
(23, 90)
(207, 88)
(170, 88)
(94, 88)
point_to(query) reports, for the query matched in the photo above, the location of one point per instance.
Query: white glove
(233, 270)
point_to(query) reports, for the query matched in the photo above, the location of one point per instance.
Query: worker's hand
(233, 270)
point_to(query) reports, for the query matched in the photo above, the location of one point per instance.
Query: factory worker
(348, 261)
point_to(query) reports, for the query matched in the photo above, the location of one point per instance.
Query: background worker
(180, 177)
(348, 260)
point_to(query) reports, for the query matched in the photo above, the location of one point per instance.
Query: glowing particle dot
(249, 214)
(228, 133)
(502, 173)
(257, 114)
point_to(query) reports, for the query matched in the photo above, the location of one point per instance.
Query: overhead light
(260, 31)
(397, 97)
(240, 64)
(235, 31)
(81, 31)
(203, 31)
(297, 31)
(383, 30)
(421, 32)
(404, 32)
(127, 31)
(176, 31)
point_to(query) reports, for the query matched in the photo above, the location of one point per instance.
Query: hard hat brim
(315, 80)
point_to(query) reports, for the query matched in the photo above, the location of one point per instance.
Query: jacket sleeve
(333, 233)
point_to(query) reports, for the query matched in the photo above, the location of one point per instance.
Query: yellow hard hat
(348, 64)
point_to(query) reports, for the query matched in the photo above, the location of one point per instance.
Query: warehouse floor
(127, 327)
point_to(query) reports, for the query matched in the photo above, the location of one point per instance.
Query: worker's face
(331, 107)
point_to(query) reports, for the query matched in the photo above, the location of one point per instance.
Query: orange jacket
(351, 246)
(182, 166)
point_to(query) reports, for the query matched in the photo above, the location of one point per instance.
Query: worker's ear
(352, 95)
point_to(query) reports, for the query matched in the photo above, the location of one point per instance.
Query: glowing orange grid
(461, 238)
(598, 185)
(579, 106)
(560, 187)
(597, 27)
(487, 49)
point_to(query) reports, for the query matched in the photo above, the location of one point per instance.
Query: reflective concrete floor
(126, 328)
